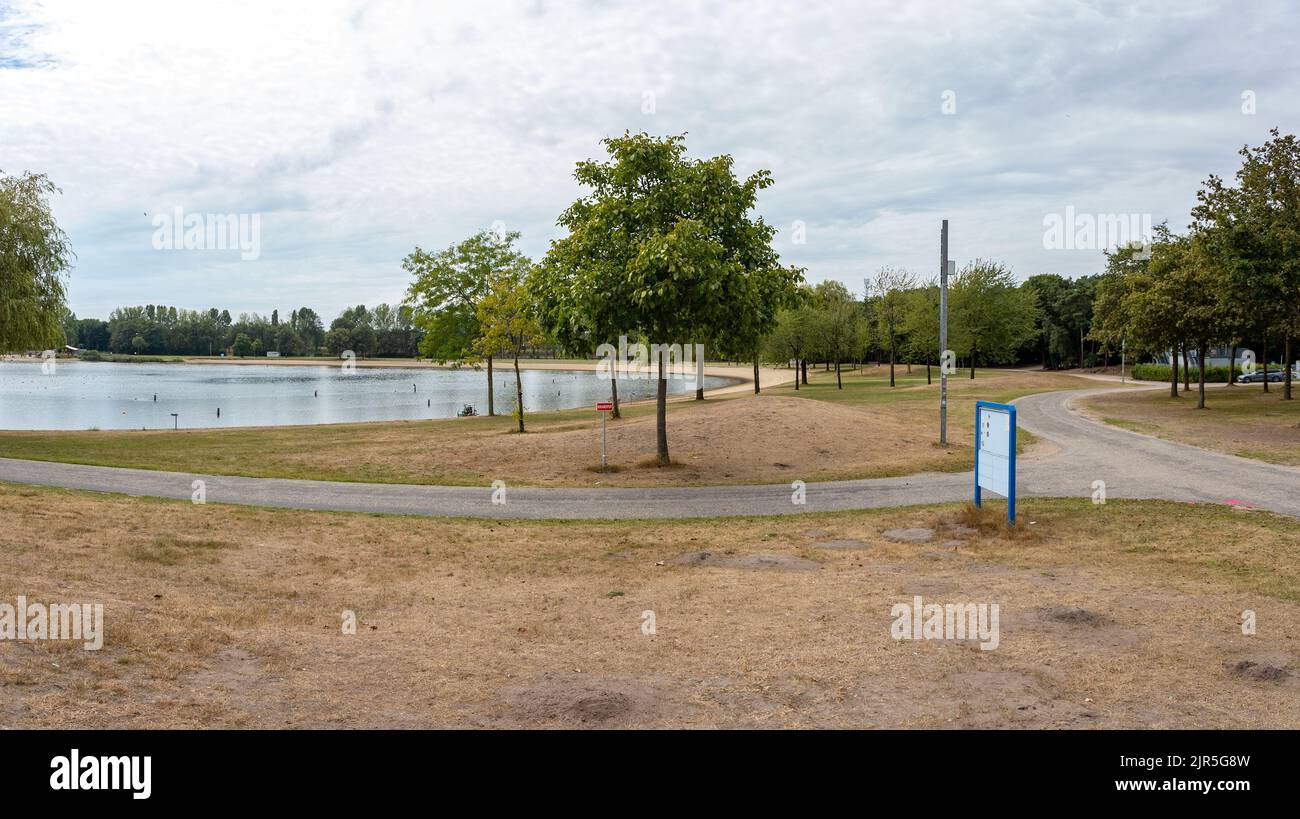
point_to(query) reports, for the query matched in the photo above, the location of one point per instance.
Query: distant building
(1214, 357)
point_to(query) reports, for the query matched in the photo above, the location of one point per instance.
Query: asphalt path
(1074, 454)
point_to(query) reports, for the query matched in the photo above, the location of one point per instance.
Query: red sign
(604, 406)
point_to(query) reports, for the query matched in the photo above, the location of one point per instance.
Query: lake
(102, 395)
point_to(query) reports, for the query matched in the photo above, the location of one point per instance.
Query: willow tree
(34, 259)
(662, 245)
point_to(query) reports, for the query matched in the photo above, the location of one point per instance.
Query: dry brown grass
(1123, 615)
(1240, 420)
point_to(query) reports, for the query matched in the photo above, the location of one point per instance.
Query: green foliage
(1163, 372)
(448, 286)
(664, 246)
(34, 258)
(991, 317)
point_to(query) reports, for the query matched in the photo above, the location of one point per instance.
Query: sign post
(604, 408)
(943, 333)
(995, 453)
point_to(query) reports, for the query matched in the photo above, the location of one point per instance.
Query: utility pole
(943, 333)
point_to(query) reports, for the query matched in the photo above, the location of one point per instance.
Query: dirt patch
(910, 535)
(747, 561)
(597, 701)
(1259, 672)
(1075, 616)
(842, 543)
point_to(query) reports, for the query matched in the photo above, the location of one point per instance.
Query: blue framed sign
(995, 453)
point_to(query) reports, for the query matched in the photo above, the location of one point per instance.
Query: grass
(502, 624)
(1239, 420)
(866, 430)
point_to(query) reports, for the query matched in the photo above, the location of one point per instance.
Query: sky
(350, 133)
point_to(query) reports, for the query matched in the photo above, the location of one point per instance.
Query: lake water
(84, 395)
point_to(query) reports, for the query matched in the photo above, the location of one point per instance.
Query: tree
(1259, 239)
(839, 324)
(34, 259)
(447, 289)
(792, 337)
(661, 245)
(890, 288)
(991, 316)
(921, 325)
(507, 319)
(243, 345)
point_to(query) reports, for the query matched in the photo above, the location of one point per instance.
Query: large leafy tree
(1257, 242)
(34, 259)
(662, 245)
(921, 325)
(448, 286)
(991, 316)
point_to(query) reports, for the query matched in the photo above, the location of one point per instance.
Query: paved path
(1077, 451)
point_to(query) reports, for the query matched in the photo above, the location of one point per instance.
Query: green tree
(890, 287)
(243, 345)
(507, 318)
(448, 286)
(1257, 242)
(921, 325)
(662, 245)
(991, 316)
(34, 259)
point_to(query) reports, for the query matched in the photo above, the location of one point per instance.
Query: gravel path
(1075, 452)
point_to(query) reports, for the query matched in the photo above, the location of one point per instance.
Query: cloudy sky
(359, 130)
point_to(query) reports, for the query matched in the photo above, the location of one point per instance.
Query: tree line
(385, 330)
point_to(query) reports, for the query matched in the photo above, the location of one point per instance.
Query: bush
(1160, 372)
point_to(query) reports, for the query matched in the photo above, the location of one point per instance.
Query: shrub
(1160, 372)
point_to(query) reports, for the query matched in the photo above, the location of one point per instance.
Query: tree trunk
(1264, 357)
(1173, 373)
(803, 367)
(1187, 369)
(927, 371)
(1081, 348)
(891, 363)
(491, 411)
(1232, 365)
(972, 363)
(519, 395)
(1200, 368)
(699, 376)
(796, 373)
(661, 414)
(613, 391)
(1286, 363)
(839, 382)
(756, 387)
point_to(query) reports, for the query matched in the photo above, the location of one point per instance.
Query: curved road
(1082, 451)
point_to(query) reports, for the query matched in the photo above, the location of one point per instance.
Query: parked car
(1257, 377)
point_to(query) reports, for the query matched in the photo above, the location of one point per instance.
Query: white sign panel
(995, 450)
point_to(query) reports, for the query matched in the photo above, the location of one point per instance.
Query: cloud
(359, 130)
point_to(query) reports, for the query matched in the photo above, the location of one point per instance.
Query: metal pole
(943, 333)
(603, 416)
